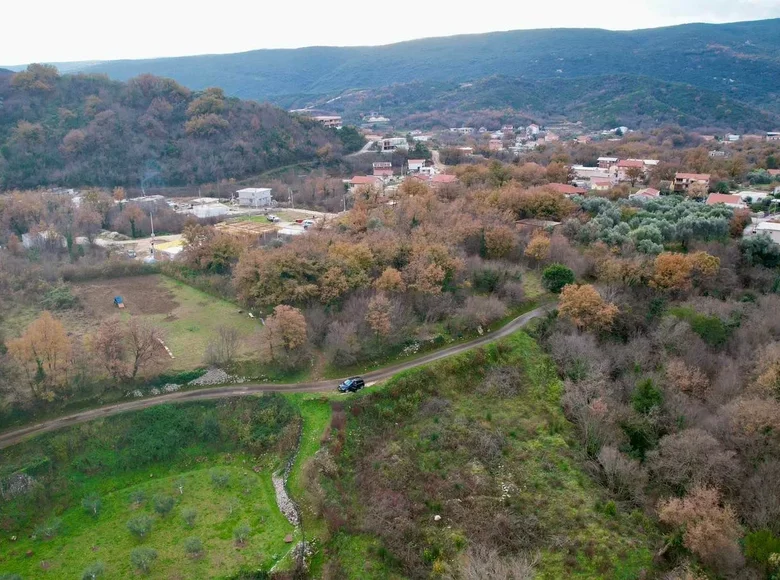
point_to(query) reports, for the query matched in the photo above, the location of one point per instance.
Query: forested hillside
(88, 130)
(605, 101)
(739, 59)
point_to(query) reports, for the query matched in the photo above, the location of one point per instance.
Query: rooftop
(694, 176)
(724, 198)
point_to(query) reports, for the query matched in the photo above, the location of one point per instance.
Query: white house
(255, 197)
(416, 165)
(752, 196)
(770, 228)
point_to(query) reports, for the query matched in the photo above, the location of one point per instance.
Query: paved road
(12, 437)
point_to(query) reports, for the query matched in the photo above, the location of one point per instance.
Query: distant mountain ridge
(740, 58)
(600, 101)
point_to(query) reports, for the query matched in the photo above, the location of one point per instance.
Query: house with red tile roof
(645, 194)
(729, 200)
(443, 179)
(600, 184)
(365, 181)
(566, 189)
(624, 165)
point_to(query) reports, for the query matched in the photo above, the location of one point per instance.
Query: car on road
(352, 385)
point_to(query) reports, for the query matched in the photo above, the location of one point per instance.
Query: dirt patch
(141, 295)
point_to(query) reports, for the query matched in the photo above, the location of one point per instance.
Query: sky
(78, 30)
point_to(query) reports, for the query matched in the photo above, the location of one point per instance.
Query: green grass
(532, 285)
(85, 539)
(431, 458)
(197, 319)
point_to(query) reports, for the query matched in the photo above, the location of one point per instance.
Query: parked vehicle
(352, 385)
(307, 224)
(273, 218)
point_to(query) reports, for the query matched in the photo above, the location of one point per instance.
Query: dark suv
(351, 385)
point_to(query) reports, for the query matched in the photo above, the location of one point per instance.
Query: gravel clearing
(216, 377)
(286, 506)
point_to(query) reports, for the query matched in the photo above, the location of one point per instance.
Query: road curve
(12, 437)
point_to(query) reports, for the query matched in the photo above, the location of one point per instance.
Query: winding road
(12, 437)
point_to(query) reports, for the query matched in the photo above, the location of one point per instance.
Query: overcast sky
(58, 31)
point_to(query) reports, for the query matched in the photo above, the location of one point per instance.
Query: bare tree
(624, 476)
(693, 457)
(110, 348)
(223, 348)
(145, 343)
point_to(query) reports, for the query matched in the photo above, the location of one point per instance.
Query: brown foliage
(286, 328)
(390, 281)
(583, 305)
(378, 315)
(671, 271)
(689, 380)
(710, 530)
(43, 352)
(145, 345)
(539, 247)
(109, 347)
(499, 241)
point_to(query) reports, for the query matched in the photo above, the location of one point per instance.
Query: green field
(214, 457)
(198, 317)
(248, 498)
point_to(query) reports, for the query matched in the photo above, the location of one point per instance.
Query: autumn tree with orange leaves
(584, 306)
(44, 354)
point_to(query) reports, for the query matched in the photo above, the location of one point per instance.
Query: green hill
(89, 130)
(599, 102)
(741, 59)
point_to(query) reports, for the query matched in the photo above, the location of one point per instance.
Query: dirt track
(12, 437)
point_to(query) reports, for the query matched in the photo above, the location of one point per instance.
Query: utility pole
(292, 202)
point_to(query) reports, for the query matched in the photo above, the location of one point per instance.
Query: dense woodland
(78, 130)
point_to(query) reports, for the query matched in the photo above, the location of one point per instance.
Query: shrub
(220, 479)
(193, 546)
(556, 276)
(163, 504)
(142, 559)
(93, 571)
(760, 545)
(137, 497)
(189, 515)
(624, 477)
(140, 525)
(49, 528)
(711, 329)
(482, 311)
(646, 396)
(59, 298)
(241, 533)
(92, 504)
